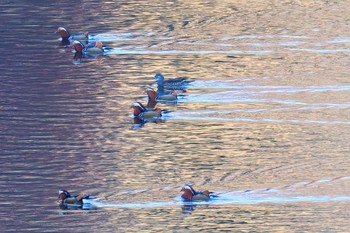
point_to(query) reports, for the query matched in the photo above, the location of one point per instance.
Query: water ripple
(234, 198)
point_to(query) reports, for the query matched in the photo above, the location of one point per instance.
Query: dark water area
(265, 121)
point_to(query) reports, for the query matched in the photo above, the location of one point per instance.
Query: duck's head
(63, 194)
(63, 32)
(78, 46)
(188, 192)
(152, 94)
(139, 105)
(174, 93)
(159, 77)
(138, 108)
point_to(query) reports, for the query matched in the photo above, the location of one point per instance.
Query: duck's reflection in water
(86, 206)
(140, 122)
(188, 208)
(79, 57)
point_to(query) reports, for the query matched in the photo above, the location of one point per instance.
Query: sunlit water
(264, 122)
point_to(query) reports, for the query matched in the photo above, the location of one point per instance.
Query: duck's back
(70, 200)
(200, 197)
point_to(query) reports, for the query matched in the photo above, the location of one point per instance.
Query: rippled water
(264, 122)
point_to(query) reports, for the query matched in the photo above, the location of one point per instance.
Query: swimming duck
(171, 84)
(191, 195)
(153, 95)
(93, 49)
(64, 198)
(67, 37)
(141, 111)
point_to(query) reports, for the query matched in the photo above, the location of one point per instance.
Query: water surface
(265, 122)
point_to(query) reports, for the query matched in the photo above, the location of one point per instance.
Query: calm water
(265, 121)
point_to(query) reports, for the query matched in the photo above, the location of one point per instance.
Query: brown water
(265, 121)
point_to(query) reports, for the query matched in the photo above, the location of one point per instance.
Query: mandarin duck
(64, 198)
(171, 84)
(191, 195)
(153, 95)
(142, 112)
(67, 37)
(92, 49)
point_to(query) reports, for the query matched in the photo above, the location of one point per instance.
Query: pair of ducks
(150, 111)
(189, 195)
(76, 40)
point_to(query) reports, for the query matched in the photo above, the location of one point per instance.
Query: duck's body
(191, 195)
(92, 49)
(67, 37)
(153, 95)
(141, 111)
(171, 84)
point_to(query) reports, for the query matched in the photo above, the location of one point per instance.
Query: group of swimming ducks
(166, 92)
